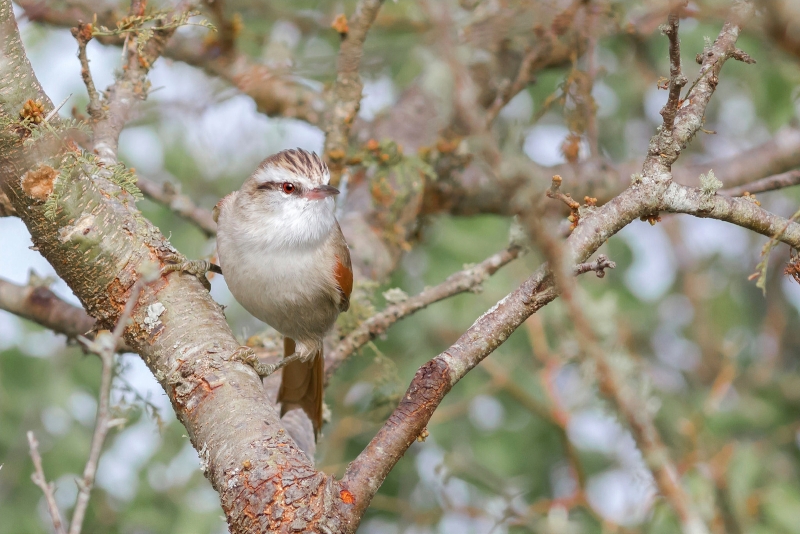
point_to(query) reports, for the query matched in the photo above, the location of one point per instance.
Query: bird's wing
(343, 269)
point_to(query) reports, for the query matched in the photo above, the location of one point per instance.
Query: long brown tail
(301, 385)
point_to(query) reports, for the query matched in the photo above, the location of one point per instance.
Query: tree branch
(129, 87)
(40, 305)
(40, 480)
(770, 183)
(676, 79)
(345, 96)
(547, 50)
(83, 34)
(742, 212)
(179, 203)
(275, 92)
(466, 280)
(105, 345)
(434, 379)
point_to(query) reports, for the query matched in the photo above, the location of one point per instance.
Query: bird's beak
(321, 192)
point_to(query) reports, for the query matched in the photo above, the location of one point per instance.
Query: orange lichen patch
(247, 465)
(32, 110)
(340, 24)
(373, 145)
(83, 32)
(347, 497)
(38, 183)
(750, 196)
(652, 218)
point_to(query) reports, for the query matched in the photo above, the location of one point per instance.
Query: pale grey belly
(288, 295)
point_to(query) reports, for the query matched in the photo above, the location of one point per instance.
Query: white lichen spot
(154, 311)
(709, 183)
(205, 458)
(636, 178)
(395, 295)
(80, 229)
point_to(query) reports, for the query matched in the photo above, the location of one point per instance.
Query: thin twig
(466, 280)
(129, 88)
(770, 183)
(181, 204)
(676, 78)
(346, 92)
(599, 266)
(48, 489)
(83, 34)
(538, 56)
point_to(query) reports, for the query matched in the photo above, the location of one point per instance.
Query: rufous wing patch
(344, 282)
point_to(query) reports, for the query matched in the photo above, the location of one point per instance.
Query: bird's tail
(301, 385)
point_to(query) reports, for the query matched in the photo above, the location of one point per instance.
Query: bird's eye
(288, 188)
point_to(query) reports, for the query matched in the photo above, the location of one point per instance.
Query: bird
(285, 260)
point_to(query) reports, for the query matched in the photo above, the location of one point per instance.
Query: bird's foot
(248, 356)
(198, 268)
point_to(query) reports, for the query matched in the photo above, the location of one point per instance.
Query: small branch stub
(574, 206)
(598, 266)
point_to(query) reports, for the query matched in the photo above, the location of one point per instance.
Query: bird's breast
(290, 289)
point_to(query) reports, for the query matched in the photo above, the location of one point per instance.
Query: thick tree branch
(40, 305)
(345, 96)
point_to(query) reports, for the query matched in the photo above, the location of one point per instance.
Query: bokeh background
(713, 358)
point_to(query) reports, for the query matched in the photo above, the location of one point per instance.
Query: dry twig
(770, 183)
(676, 78)
(179, 203)
(105, 345)
(40, 480)
(83, 34)
(345, 96)
(466, 280)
